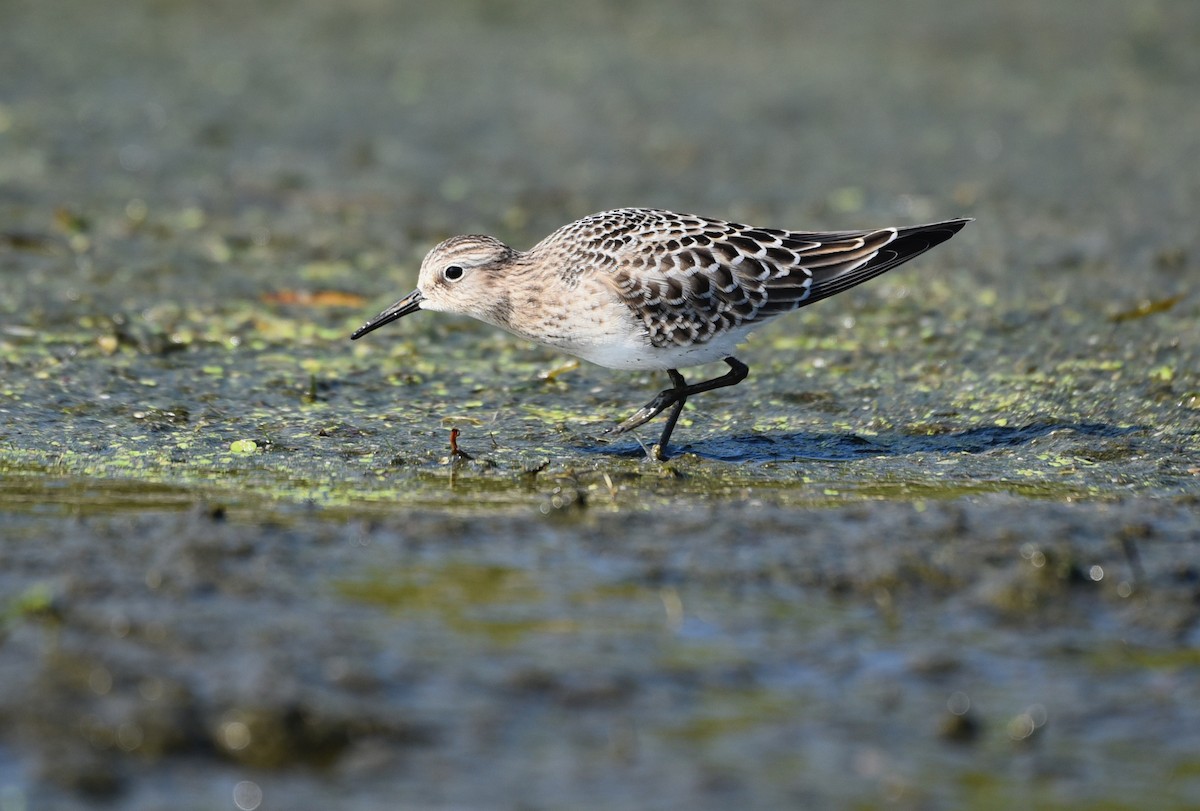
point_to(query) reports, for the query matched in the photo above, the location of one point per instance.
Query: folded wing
(693, 279)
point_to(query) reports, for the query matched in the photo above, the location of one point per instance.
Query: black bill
(409, 304)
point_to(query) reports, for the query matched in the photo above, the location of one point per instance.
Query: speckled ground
(938, 551)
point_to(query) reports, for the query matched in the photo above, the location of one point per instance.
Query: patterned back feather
(690, 279)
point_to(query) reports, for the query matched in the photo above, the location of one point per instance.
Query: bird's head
(460, 275)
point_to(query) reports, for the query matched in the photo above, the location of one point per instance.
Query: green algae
(280, 409)
(466, 598)
(732, 712)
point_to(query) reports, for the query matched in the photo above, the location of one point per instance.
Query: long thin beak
(409, 304)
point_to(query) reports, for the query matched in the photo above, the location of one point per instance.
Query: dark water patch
(815, 446)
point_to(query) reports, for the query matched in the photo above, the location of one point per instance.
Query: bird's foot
(649, 411)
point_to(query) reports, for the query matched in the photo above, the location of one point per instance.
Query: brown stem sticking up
(455, 451)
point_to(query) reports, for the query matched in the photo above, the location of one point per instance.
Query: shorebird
(639, 288)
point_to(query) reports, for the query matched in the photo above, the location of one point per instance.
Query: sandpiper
(639, 288)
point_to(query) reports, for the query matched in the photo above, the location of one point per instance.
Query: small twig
(455, 451)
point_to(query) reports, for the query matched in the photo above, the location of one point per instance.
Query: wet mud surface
(940, 550)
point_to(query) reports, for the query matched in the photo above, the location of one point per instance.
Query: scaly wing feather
(690, 279)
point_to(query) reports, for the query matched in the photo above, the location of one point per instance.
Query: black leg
(681, 386)
(663, 400)
(675, 397)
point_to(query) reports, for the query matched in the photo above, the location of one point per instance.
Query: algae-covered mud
(940, 550)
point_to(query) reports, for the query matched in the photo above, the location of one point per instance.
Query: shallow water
(938, 551)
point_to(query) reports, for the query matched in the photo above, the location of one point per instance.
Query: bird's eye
(453, 273)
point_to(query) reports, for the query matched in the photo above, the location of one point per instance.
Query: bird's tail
(855, 256)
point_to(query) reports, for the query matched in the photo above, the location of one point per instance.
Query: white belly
(640, 354)
(603, 330)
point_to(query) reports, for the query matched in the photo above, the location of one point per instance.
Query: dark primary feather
(691, 279)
